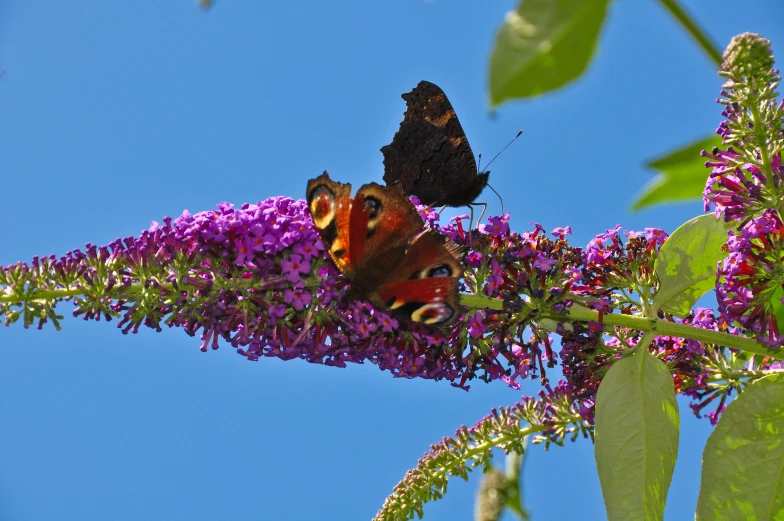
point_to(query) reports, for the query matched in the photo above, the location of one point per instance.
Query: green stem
(581, 314)
(53, 294)
(762, 144)
(694, 30)
(646, 340)
(655, 325)
(665, 328)
(44, 294)
(481, 302)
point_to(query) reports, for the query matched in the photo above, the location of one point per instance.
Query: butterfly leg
(442, 209)
(471, 221)
(484, 208)
(499, 198)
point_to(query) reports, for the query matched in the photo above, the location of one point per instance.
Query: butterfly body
(376, 240)
(429, 155)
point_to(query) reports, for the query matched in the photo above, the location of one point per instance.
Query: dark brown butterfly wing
(375, 240)
(430, 156)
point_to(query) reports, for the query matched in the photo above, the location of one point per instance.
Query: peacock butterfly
(430, 156)
(376, 240)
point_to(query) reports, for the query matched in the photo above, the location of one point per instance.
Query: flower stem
(696, 32)
(665, 328)
(761, 139)
(653, 325)
(657, 326)
(646, 340)
(43, 294)
(481, 302)
(61, 293)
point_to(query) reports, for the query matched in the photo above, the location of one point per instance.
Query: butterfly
(376, 240)
(429, 155)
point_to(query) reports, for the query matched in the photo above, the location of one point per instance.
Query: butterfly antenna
(479, 162)
(502, 150)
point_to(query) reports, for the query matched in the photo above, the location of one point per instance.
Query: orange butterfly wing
(330, 205)
(375, 240)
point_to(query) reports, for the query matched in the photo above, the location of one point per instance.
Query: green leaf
(543, 45)
(686, 265)
(743, 462)
(636, 437)
(778, 307)
(682, 175)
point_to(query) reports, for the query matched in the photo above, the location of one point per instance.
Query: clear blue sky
(114, 114)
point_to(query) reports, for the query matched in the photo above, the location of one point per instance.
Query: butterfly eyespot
(322, 206)
(440, 270)
(434, 313)
(374, 205)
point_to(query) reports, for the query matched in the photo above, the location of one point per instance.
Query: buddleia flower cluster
(746, 185)
(257, 278)
(552, 415)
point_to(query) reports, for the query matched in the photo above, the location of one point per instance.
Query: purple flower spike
(257, 277)
(746, 176)
(750, 281)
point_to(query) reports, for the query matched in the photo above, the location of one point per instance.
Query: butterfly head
(477, 185)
